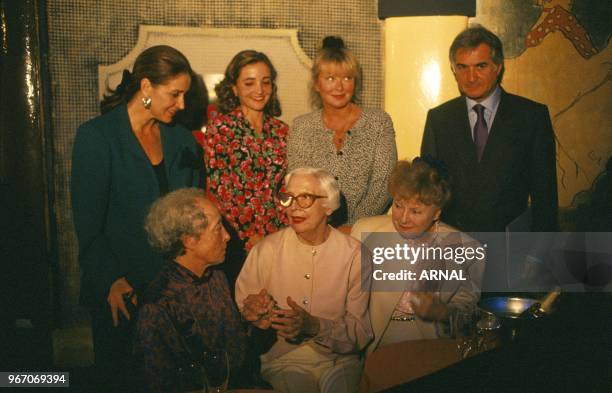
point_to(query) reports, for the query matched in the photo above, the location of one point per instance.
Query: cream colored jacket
(325, 280)
(458, 295)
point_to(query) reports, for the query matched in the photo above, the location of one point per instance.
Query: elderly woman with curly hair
(187, 309)
(245, 152)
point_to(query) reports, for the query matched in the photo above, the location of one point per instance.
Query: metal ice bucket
(507, 311)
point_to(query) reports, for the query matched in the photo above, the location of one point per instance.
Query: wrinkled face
(167, 98)
(253, 87)
(335, 85)
(307, 222)
(411, 217)
(475, 72)
(209, 247)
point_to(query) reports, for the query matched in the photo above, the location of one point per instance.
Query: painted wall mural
(558, 53)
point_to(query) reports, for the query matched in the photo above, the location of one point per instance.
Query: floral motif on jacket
(244, 171)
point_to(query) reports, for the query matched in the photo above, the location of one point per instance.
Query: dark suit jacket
(518, 164)
(113, 185)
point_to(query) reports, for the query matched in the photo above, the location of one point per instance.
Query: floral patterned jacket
(245, 170)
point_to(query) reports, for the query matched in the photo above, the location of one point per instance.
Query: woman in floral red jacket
(245, 153)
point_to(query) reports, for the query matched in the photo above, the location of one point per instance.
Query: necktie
(481, 131)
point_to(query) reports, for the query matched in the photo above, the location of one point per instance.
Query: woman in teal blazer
(122, 162)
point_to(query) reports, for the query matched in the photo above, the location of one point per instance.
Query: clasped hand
(257, 309)
(263, 312)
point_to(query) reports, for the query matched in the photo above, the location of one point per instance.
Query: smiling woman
(167, 98)
(356, 145)
(122, 162)
(245, 154)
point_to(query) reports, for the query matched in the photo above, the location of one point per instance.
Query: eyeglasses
(303, 200)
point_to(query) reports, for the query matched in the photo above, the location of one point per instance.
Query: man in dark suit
(499, 148)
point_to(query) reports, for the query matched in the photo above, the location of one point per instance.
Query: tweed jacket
(362, 167)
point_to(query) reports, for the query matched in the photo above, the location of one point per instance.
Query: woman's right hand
(115, 299)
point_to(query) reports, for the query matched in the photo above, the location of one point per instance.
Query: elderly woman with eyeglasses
(305, 283)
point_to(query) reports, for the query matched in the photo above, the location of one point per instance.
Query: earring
(146, 102)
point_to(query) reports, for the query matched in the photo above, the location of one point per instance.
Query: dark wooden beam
(391, 8)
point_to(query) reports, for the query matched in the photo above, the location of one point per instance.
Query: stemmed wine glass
(216, 368)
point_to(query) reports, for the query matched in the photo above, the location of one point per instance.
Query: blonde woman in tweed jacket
(356, 145)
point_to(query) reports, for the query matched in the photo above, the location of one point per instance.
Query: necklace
(341, 128)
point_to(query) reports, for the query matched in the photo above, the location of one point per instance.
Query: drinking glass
(216, 368)
(463, 325)
(191, 378)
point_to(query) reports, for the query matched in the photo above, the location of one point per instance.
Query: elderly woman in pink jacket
(305, 283)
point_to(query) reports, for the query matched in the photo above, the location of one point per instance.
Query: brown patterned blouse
(181, 317)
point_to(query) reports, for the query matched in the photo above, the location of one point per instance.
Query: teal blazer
(113, 186)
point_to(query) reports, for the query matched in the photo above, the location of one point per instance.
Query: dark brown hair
(195, 114)
(158, 64)
(227, 101)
